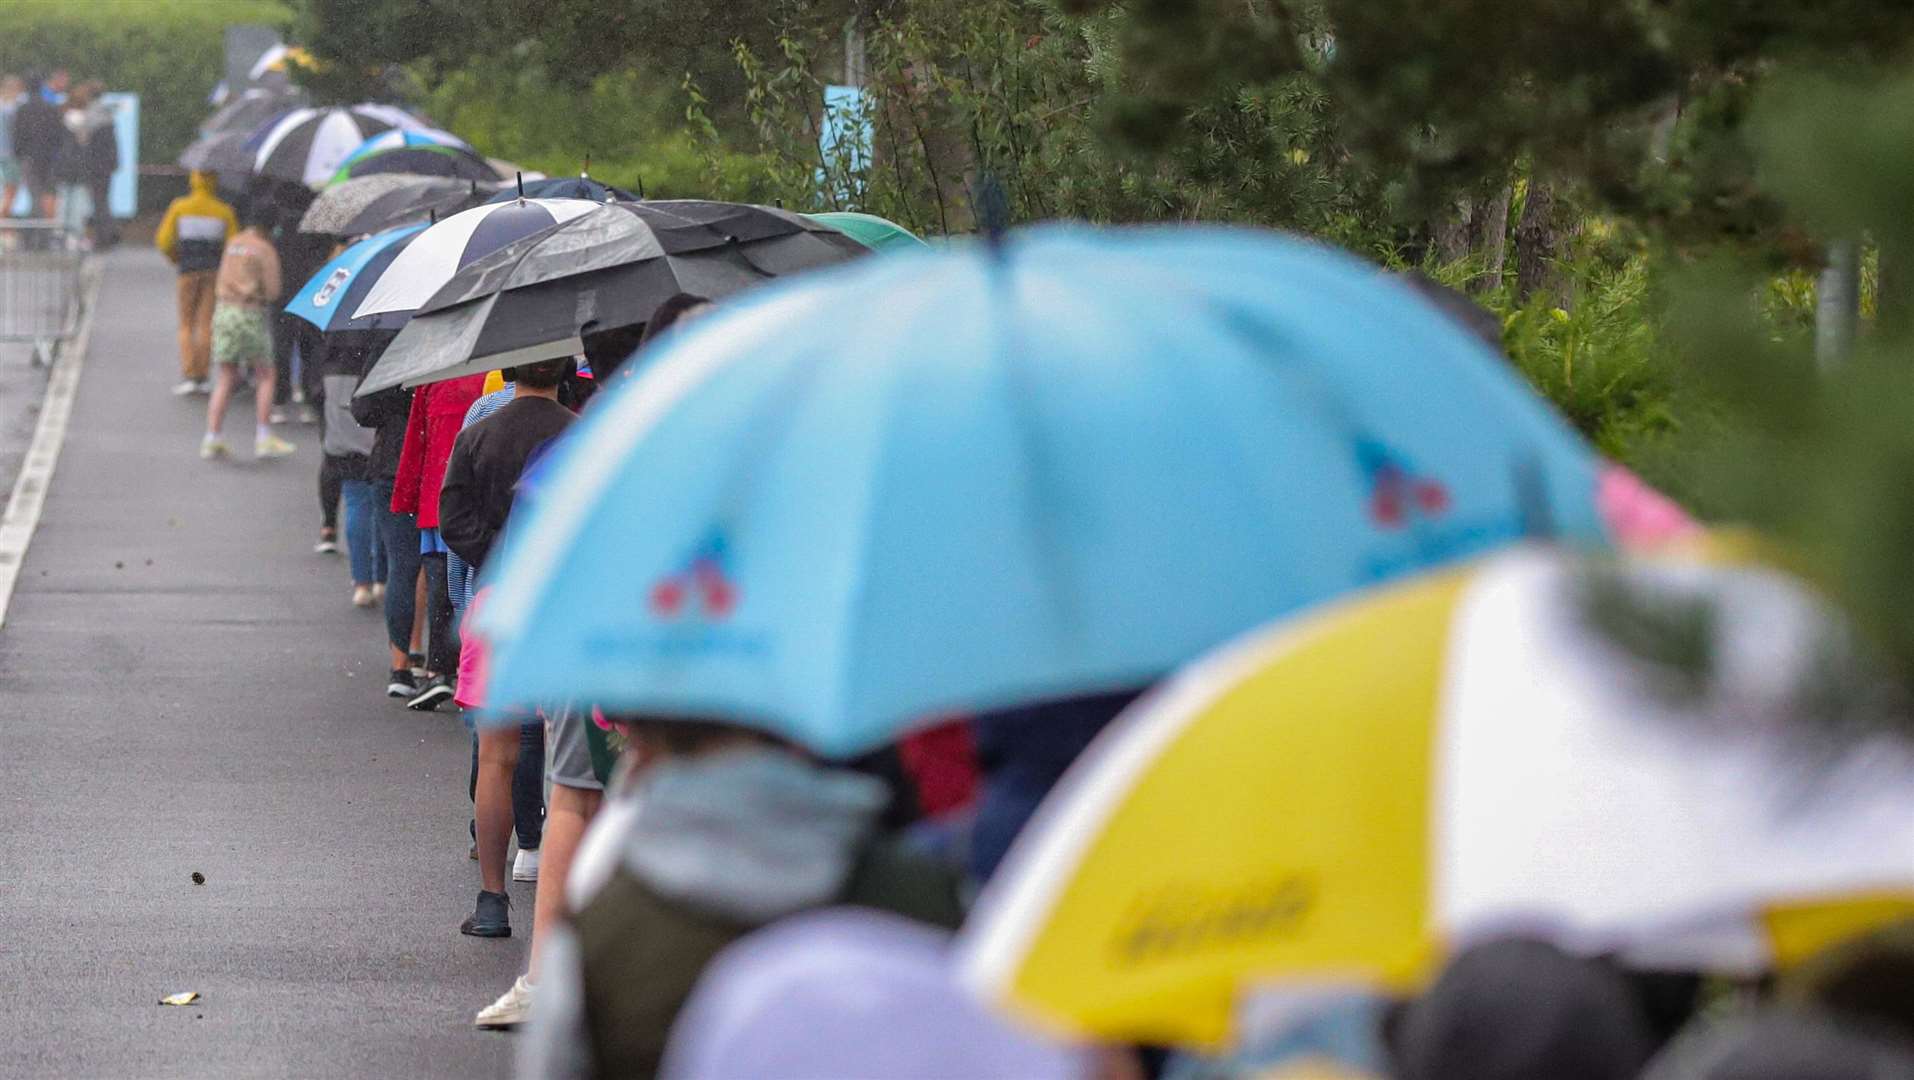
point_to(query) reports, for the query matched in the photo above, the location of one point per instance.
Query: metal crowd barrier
(40, 264)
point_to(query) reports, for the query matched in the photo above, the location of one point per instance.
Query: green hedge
(170, 52)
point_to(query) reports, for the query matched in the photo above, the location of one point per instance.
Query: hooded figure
(1522, 1010)
(725, 833)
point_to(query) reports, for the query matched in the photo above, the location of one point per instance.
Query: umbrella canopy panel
(424, 198)
(337, 288)
(1460, 756)
(565, 187)
(1061, 465)
(451, 162)
(431, 260)
(306, 146)
(878, 234)
(611, 267)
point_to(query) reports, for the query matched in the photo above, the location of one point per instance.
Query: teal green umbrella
(879, 234)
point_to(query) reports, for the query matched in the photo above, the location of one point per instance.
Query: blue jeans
(366, 554)
(399, 538)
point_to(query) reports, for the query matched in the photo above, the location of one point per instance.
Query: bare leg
(224, 381)
(492, 803)
(567, 814)
(262, 394)
(419, 616)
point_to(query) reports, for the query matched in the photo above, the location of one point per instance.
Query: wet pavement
(185, 689)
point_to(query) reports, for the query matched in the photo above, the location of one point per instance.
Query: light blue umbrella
(333, 292)
(963, 480)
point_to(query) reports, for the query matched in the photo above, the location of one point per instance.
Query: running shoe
(186, 387)
(326, 546)
(401, 684)
(212, 448)
(362, 596)
(512, 1008)
(525, 866)
(272, 446)
(436, 690)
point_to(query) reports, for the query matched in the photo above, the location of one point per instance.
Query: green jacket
(642, 955)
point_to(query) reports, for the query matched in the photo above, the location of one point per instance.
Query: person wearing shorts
(247, 283)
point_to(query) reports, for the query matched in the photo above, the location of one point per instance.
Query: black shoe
(492, 918)
(401, 684)
(436, 690)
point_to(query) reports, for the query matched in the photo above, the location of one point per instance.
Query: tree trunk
(1490, 228)
(1537, 241)
(1449, 233)
(1837, 308)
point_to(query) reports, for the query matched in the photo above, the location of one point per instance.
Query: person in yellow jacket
(192, 236)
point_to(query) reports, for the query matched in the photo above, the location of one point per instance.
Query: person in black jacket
(39, 137)
(481, 478)
(489, 456)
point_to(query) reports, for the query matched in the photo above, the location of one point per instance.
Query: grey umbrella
(533, 299)
(370, 204)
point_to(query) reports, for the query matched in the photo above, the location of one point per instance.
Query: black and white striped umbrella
(306, 146)
(445, 248)
(534, 299)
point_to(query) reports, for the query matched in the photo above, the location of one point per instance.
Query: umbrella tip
(521, 185)
(993, 211)
(584, 171)
(432, 216)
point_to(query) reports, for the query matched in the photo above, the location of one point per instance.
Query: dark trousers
(331, 483)
(106, 231)
(528, 783)
(442, 644)
(399, 535)
(287, 331)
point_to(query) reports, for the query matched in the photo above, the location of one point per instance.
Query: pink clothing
(475, 659)
(1638, 516)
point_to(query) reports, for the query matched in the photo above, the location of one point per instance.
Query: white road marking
(29, 495)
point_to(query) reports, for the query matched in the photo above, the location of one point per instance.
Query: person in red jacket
(438, 411)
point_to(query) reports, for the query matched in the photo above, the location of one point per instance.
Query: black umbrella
(531, 299)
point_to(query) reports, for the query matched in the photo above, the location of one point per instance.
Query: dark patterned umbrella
(532, 299)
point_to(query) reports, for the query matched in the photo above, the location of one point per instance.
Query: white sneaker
(186, 388)
(525, 867)
(362, 596)
(513, 1007)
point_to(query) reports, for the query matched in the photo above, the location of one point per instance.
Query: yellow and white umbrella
(1339, 802)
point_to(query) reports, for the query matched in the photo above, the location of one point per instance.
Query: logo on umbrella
(324, 295)
(1396, 492)
(701, 579)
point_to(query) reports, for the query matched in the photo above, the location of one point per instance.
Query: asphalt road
(185, 688)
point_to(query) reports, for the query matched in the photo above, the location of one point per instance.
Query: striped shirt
(460, 579)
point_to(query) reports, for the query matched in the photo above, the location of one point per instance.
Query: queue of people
(58, 144)
(690, 869)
